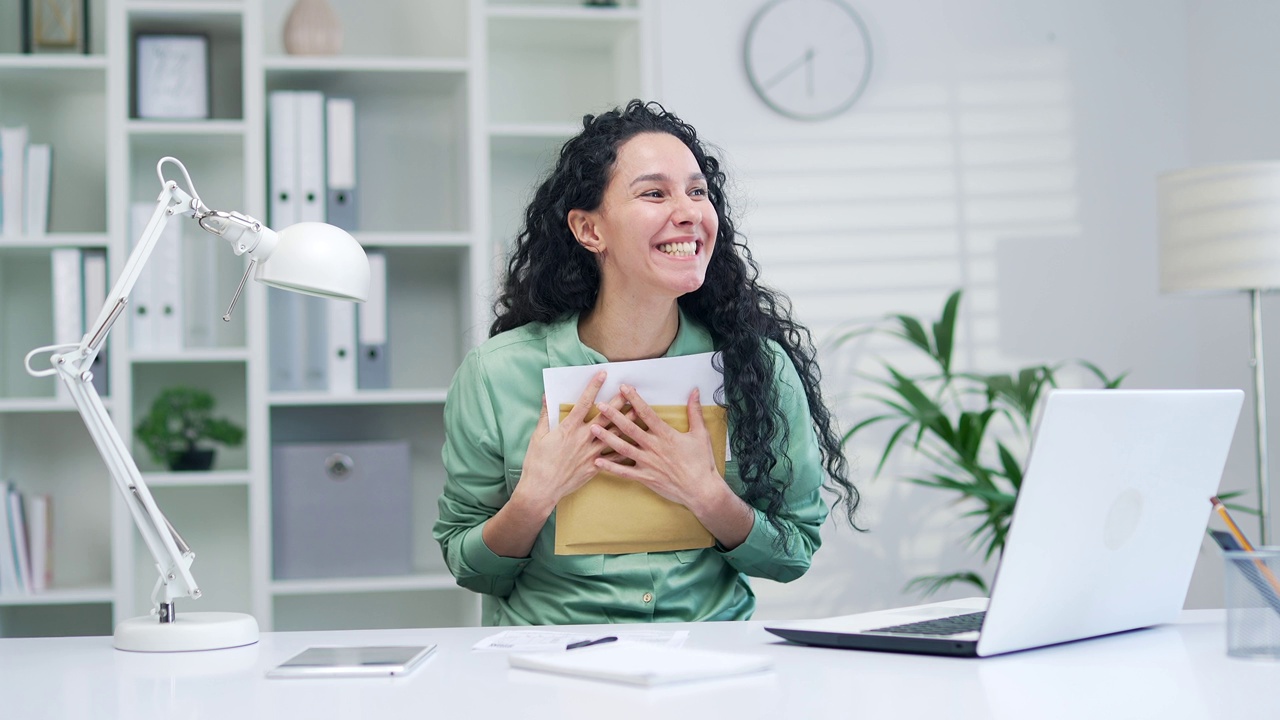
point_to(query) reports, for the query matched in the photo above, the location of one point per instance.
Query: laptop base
(896, 643)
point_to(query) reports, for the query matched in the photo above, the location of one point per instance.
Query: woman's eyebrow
(662, 177)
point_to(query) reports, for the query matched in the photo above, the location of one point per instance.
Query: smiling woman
(628, 252)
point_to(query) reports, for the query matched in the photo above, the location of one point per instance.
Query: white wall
(1009, 147)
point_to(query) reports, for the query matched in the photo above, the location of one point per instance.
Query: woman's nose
(687, 212)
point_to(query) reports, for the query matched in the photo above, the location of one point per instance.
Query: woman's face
(656, 226)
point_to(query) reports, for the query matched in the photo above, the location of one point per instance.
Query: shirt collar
(565, 348)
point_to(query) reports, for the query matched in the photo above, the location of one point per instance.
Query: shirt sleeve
(804, 510)
(475, 485)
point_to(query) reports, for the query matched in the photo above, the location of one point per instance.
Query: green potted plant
(970, 429)
(181, 419)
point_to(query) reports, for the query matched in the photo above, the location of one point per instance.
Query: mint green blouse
(491, 411)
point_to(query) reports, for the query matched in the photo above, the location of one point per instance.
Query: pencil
(1231, 524)
(1244, 542)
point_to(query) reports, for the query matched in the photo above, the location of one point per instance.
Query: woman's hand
(557, 462)
(678, 466)
(562, 460)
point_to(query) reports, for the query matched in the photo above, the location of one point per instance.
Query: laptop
(1104, 537)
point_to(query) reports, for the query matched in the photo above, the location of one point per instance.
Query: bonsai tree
(179, 420)
(969, 429)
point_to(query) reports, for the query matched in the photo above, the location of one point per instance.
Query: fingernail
(624, 388)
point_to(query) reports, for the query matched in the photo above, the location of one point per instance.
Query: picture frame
(55, 26)
(171, 76)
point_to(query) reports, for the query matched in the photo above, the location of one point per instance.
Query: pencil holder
(1252, 584)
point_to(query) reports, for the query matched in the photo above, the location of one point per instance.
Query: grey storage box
(341, 510)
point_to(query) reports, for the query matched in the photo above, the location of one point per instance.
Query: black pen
(585, 643)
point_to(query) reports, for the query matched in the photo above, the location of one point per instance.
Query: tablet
(366, 661)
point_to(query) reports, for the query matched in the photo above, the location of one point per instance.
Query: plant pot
(192, 460)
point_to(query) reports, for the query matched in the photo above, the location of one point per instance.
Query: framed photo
(172, 76)
(55, 26)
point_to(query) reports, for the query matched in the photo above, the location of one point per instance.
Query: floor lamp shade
(1220, 231)
(1220, 228)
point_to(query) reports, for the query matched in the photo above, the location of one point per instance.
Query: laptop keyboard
(953, 625)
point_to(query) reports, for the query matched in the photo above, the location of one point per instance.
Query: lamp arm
(72, 363)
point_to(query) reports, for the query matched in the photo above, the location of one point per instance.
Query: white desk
(1177, 671)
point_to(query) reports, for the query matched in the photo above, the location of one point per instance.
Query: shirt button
(648, 597)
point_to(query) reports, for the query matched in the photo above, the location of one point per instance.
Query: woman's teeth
(679, 248)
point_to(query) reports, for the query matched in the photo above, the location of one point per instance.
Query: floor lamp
(1220, 232)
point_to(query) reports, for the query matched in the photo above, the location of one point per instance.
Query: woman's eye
(651, 193)
(698, 191)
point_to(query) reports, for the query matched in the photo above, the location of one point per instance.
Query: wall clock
(807, 59)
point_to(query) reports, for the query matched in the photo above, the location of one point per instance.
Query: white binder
(9, 583)
(340, 131)
(373, 369)
(311, 147)
(342, 346)
(13, 177)
(94, 266)
(285, 317)
(39, 176)
(282, 125)
(68, 308)
(156, 300)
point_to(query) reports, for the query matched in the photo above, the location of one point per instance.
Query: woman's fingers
(587, 399)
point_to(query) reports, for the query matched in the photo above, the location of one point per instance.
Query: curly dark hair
(549, 276)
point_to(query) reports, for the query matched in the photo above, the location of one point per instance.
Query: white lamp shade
(319, 259)
(1220, 228)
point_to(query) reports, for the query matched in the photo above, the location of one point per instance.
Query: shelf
(563, 13)
(188, 127)
(53, 240)
(454, 240)
(63, 66)
(407, 583)
(341, 64)
(57, 596)
(197, 479)
(561, 28)
(545, 130)
(19, 406)
(193, 355)
(364, 397)
(184, 9)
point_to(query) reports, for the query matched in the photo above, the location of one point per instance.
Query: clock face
(807, 59)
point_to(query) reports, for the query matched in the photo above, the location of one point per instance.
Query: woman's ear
(583, 226)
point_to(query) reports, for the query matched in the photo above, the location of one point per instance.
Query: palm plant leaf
(929, 584)
(955, 422)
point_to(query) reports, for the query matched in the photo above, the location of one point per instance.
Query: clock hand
(805, 60)
(808, 72)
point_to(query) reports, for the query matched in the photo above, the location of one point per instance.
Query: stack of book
(79, 293)
(26, 170)
(26, 542)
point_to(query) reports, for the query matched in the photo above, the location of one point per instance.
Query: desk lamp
(311, 258)
(1220, 231)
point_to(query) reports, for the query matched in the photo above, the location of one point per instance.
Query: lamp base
(190, 632)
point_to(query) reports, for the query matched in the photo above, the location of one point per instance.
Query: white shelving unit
(461, 105)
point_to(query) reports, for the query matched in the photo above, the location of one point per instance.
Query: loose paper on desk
(557, 640)
(639, 664)
(613, 515)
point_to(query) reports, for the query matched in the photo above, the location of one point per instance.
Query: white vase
(312, 28)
